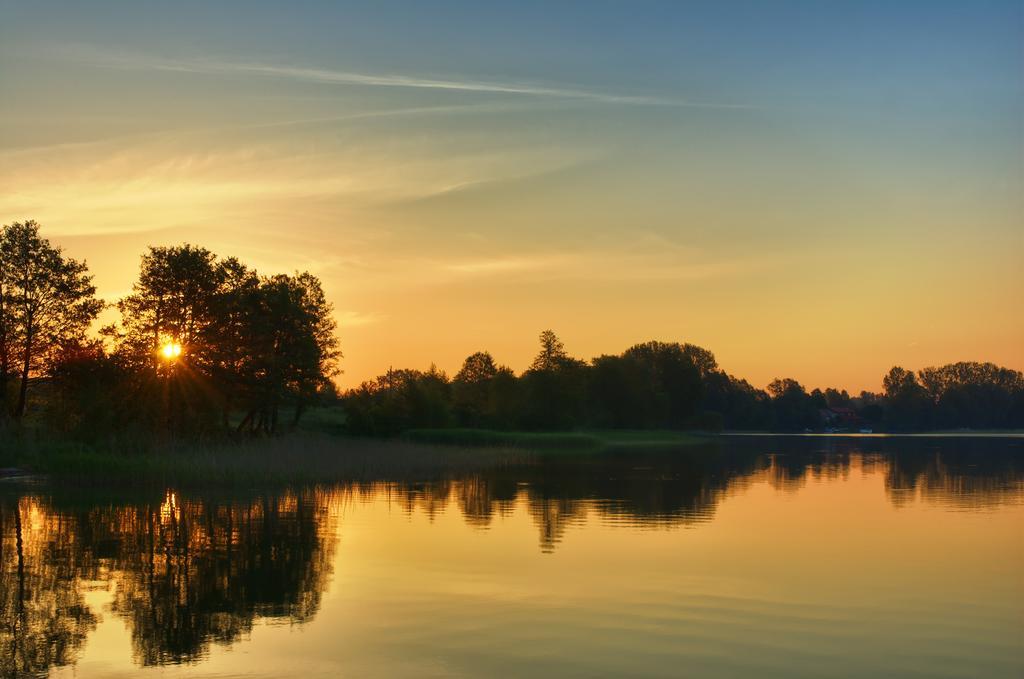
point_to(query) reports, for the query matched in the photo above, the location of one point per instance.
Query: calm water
(771, 557)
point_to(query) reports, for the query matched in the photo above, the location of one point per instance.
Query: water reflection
(44, 617)
(189, 570)
(184, 572)
(192, 572)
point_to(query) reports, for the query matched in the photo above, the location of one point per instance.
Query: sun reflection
(169, 507)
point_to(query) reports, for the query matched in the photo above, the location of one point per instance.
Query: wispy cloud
(181, 133)
(617, 264)
(108, 59)
(206, 179)
(348, 318)
(503, 265)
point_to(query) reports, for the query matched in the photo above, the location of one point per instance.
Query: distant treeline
(667, 385)
(204, 345)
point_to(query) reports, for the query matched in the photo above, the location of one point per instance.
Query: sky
(810, 190)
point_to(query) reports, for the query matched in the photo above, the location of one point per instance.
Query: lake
(761, 556)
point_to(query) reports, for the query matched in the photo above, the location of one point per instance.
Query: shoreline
(885, 435)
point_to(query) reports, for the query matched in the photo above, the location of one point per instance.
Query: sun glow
(170, 351)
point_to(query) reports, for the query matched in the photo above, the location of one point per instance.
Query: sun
(170, 351)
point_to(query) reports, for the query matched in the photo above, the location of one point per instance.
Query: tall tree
(703, 359)
(907, 404)
(551, 355)
(48, 303)
(6, 337)
(793, 407)
(674, 378)
(246, 343)
(554, 387)
(172, 302)
(293, 336)
(476, 389)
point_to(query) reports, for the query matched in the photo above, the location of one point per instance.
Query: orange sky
(772, 194)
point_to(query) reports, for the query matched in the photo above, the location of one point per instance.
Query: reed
(299, 458)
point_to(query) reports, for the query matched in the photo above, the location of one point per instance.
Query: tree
(172, 305)
(86, 399)
(554, 387)
(293, 341)
(673, 377)
(241, 341)
(48, 302)
(793, 407)
(740, 404)
(896, 380)
(620, 391)
(172, 302)
(233, 361)
(837, 399)
(399, 400)
(473, 390)
(972, 395)
(6, 336)
(477, 368)
(552, 353)
(907, 405)
(701, 358)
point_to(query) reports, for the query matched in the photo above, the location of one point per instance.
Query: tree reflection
(186, 571)
(967, 478)
(194, 573)
(676, 488)
(44, 616)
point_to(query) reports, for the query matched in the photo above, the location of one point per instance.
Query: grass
(296, 459)
(317, 454)
(585, 441)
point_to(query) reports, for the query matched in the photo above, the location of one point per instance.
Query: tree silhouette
(674, 378)
(793, 407)
(482, 392)
(400, 400)
(907, 404)
(551, 355)
(172, 301)
(241, 342)
(47, 302)
(554, 387)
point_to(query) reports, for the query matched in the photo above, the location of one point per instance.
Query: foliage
(669, 386)
(249, 344)
(47, 302)
(554, 388)
(205, 345)
(484, 394)
(400, 400)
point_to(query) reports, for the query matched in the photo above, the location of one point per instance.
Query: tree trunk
(5, 354)
(246, 421)
(19, 410)
(226, 415)
(300, 408)
(5, 368)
